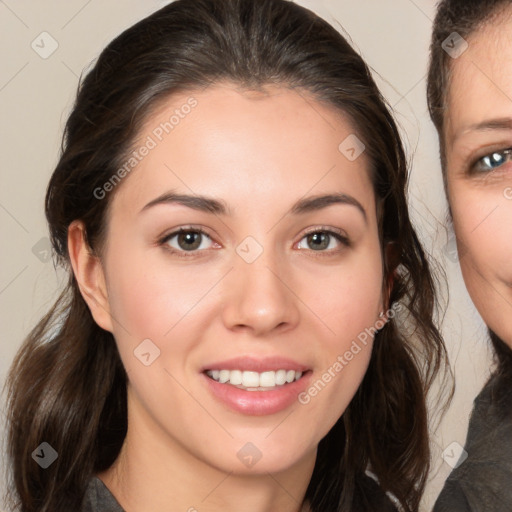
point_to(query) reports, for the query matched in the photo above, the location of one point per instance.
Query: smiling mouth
(255, 381)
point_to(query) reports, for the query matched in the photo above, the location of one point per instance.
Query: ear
(89, 274)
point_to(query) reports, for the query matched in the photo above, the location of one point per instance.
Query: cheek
(483, 225)
(148, 297)
(350, 295)
(349, 307)
(334, 385)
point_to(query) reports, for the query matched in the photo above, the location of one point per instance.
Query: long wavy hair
(67, 385)
(464, 17)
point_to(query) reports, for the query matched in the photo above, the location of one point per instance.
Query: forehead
(481, 78)
(245, 146)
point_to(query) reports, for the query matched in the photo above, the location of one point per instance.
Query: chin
(260, 458)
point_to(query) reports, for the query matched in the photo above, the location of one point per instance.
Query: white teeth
(267, 379)
(249, 379)
(223, 376)
(280, 377)
(254, 381)
(235, 377)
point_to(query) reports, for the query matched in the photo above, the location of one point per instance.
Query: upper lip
(252, 364)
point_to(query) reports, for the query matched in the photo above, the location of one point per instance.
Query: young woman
(248, 320)
(469, 91)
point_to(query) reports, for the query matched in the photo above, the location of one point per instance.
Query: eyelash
(505, 153)
(339, 236)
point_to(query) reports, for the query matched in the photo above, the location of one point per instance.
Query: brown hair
(464, 17)
(67, 385)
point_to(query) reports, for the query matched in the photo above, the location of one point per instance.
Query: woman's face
(479, 170)
(277, 271)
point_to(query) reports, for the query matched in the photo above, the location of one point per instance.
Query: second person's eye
(493, 161)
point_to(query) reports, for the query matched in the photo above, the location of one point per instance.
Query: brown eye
(188, 240)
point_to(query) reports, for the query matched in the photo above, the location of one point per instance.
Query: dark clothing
(99, 499)
(483, 482)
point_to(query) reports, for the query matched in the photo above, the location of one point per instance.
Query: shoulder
(452, 498)
(99, 499)
(482, 480)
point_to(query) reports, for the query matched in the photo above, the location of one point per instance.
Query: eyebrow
(323, 201)
(196, 202)
(210, 205)
(504, 123)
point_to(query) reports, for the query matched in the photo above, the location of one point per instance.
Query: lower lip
(257, 403)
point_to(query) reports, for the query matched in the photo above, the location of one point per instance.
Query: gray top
(483, 482)
(99, 499)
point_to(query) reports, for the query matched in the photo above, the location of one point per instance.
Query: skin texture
(259, 153)
(481, 197)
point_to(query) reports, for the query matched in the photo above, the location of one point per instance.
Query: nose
(259, 298)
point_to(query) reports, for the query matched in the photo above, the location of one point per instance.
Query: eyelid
(315, 229)
(186, 228)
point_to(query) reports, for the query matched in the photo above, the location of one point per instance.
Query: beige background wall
(36, 93)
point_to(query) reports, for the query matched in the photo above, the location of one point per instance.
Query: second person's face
(478, 139)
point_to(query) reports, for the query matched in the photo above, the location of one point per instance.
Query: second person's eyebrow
(211, 205)
(504, 123)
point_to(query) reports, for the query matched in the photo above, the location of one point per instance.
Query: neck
(154, 471)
